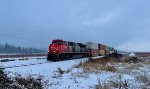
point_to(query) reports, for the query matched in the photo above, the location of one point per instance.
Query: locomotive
(59, 50)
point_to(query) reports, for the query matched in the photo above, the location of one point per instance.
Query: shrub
(19, 82)
(31, 81)
(60, 71)
(96, 65)
(102, 85)
(6, 82)
(110, 68)
(144, 78)
(118, 83)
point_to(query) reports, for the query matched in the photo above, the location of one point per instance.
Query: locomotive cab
(58, 42)
(56, 48)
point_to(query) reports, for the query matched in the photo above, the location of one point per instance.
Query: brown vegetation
(96, 65)
(115, 83)
(144, 78)
(19, 82)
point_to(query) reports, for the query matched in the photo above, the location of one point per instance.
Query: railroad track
(30, 64)
(23, 65)
(20, 55)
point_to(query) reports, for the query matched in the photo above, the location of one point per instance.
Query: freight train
(59, 50)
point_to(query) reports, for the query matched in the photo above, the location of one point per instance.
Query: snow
(97, 57)
(76, 78)
(40, 57)
(23, 61)
(45, 69)
(132, 55)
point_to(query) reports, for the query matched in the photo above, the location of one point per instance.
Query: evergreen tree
(8, 48)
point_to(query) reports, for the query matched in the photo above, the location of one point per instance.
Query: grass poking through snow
(97, 65)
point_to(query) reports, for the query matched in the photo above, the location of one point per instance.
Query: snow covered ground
(19, 58)
(67, 75)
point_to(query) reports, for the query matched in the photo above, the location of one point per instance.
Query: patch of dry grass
(118, 83)
(31, 81)
(147, 62)
(144, 78)
(127, 59)
(19, 82)
(5, 81)
(134, 66)
(113, 83)
(102, 86)
(123, 65)
(114, 64)
(96, 65)
(59, 72)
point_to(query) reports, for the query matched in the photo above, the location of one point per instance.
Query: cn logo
(54, 48)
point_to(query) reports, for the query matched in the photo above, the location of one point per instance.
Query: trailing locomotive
(59, 50)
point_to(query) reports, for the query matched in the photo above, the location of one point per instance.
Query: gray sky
(123, 24)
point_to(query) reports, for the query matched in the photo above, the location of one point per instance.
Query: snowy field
(22, 61)
(67, 75)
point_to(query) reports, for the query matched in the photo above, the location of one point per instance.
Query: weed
(110, 68)
(19, 82)
(144, 78)
(102, 85)
(60, 72)
(31, 81)
(118, 83)
(96, 65)
(134, 66)
(147, 62)
(5, 81)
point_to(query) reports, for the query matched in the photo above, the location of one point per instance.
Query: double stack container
(93, 48)
(110, 50)
(101, 49)
(107, 50)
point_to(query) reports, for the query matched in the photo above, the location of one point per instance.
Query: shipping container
(101, 47)
(93, 52)
(92, 48)
(102, 52)
(110, 49)
(91, 45)
(107, 50)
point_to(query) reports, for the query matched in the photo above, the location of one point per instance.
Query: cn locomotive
(59, 50)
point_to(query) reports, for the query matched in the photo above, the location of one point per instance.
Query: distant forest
(8, 48)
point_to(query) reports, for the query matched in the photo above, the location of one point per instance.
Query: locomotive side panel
(64, 48)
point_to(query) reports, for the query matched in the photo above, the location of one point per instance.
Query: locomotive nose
(54, 48)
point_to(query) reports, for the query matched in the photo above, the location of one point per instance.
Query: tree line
(8, 48)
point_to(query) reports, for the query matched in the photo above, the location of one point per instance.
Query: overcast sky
(123, 24)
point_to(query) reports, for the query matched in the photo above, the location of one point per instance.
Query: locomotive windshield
(58, 42)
